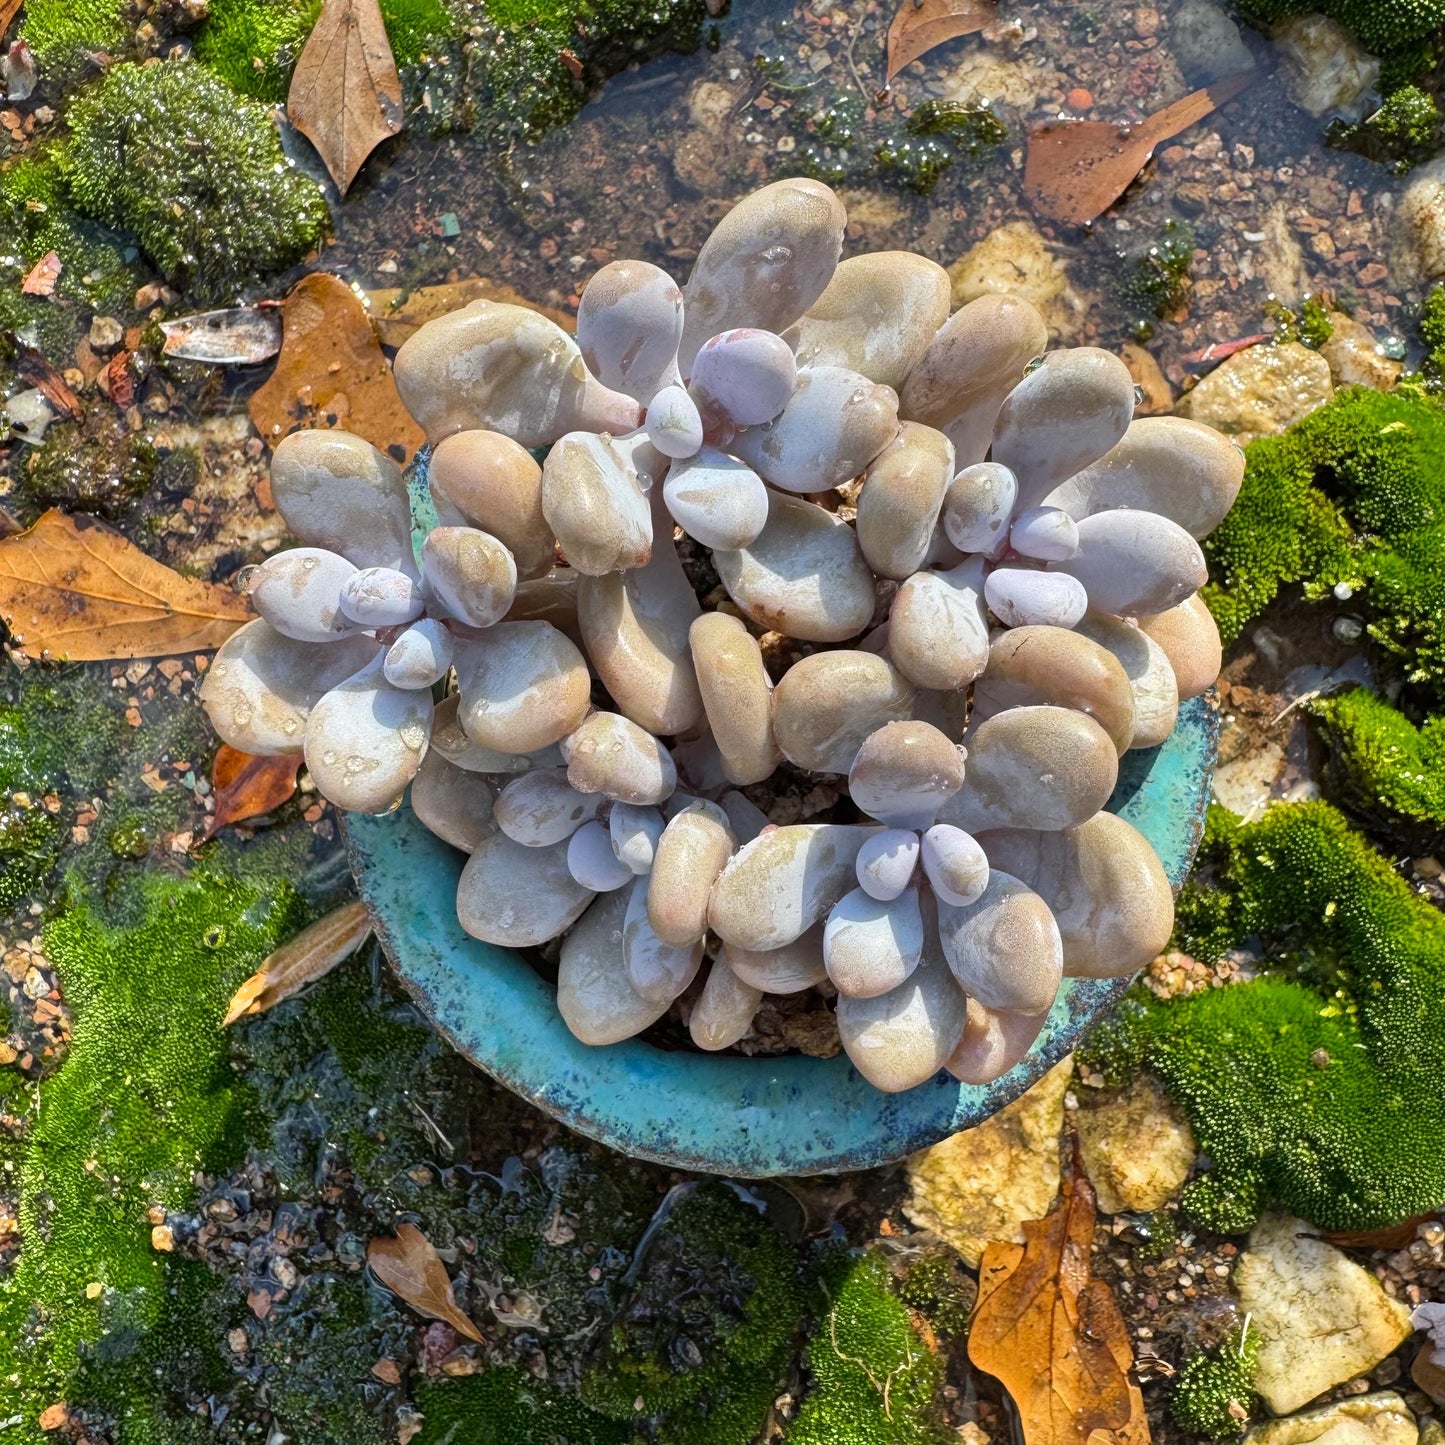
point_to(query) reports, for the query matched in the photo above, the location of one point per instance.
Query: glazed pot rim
(726, 1113)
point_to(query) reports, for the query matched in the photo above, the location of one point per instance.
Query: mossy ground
(1316, 1085)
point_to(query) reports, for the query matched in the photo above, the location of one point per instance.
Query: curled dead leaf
(72, 589)
(1077, 169)
(409, 1267)
(332, 373)
(39, 373)
(41, 278)
(345, 95)
(312, 954)
(1053, 1334)
(919, 25)
(233, 336)
(245, 786)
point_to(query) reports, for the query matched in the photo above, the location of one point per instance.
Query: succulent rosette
(956, 575)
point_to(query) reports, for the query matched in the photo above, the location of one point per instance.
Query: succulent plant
(972, 638)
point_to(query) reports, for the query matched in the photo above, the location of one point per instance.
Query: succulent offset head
(971, 637)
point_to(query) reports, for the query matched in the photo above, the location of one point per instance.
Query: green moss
(1310, 325)
(1432, 333)
(170, 153)
(1355, 495)
(1380, 25)
(874, 1381)
(1317, 1085)
(64, 33)
(509, 1407)
(706, 1337)
(101, 471)
(145, 1097)
(1214, 1394)
(1402, 133)
(1156, 280)
(254, 44)
(1379, 765)
(937, 1287)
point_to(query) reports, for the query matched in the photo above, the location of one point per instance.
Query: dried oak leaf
(345, 95)
(245, 786)
(312, 954)
(41, 278)
(9, 9)
(400, 314)
(409, 1267)
(1077, 169)
(918, 27)
(72, 589)
(1054, 1335)
(332, 373)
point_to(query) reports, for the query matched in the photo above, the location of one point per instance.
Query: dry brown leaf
(400, 314)
(246, 786)
(409, 1267)
(312, 954)
(41, 278)
(345, 95)
(332, 373)
(1054, 1335)
(73, 590)
(9, 9)
(918, 27)
(1394, 1236)
(39, 373)
(1077, 169)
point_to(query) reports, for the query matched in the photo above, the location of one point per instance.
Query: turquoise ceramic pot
(724, 1114)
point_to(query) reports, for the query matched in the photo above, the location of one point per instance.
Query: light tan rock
(803, 575)
(737, 695)
(983, 1183)
(694, 848)
(496, 367)
(1321, 1318)
(871, 945)
(1015, 260)
(974, 361)
(1105, 885)
(635, 625)
(483, 479)
(877, 317)
(1150, 379)
(826, 704)
(1190, 639)
(518, 897)
(1137, 1146)
(448, 739)
(522, 685)
(1379, 1419)
(1261, 391)
(765, 263)
(1356, 358)
(724, 1009)
(1131, 562)
(1034, 767)
(629, 323)
(610, 754)
(470, 575)
(1063, 668)
(1147, 666)
(1420, 224)
(777, 887)
(900, 501)
(1326, 70)
(594, 996)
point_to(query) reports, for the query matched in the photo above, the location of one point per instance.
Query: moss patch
(170, 154)
(1214, 1395)
(64, 33)
(1316, 1086)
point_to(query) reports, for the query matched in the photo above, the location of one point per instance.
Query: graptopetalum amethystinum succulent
(972, 636)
